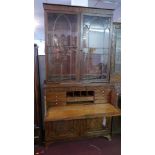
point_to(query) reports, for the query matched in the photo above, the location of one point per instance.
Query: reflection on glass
(118, 48)
(62, 45)
(95, 43)
(61, 64)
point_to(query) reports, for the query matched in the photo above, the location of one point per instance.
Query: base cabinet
(75, 129)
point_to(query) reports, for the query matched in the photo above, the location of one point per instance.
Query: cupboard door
(62, 33)
(95, 42)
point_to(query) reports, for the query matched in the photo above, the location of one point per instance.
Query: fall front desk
(79, 100)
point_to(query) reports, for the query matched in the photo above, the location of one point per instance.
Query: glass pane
(62, 46)
(118, 49)
(94, 64)
(61, 65)
(95, 43)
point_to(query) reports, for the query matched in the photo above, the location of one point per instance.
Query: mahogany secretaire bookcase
(80, 100)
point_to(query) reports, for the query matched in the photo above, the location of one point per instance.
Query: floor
(93, 146)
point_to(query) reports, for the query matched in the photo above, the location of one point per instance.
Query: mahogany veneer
(79, 99)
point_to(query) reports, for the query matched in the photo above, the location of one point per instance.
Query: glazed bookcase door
(61, 47)
(95, 53)
(117, 35)
(115, 76)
